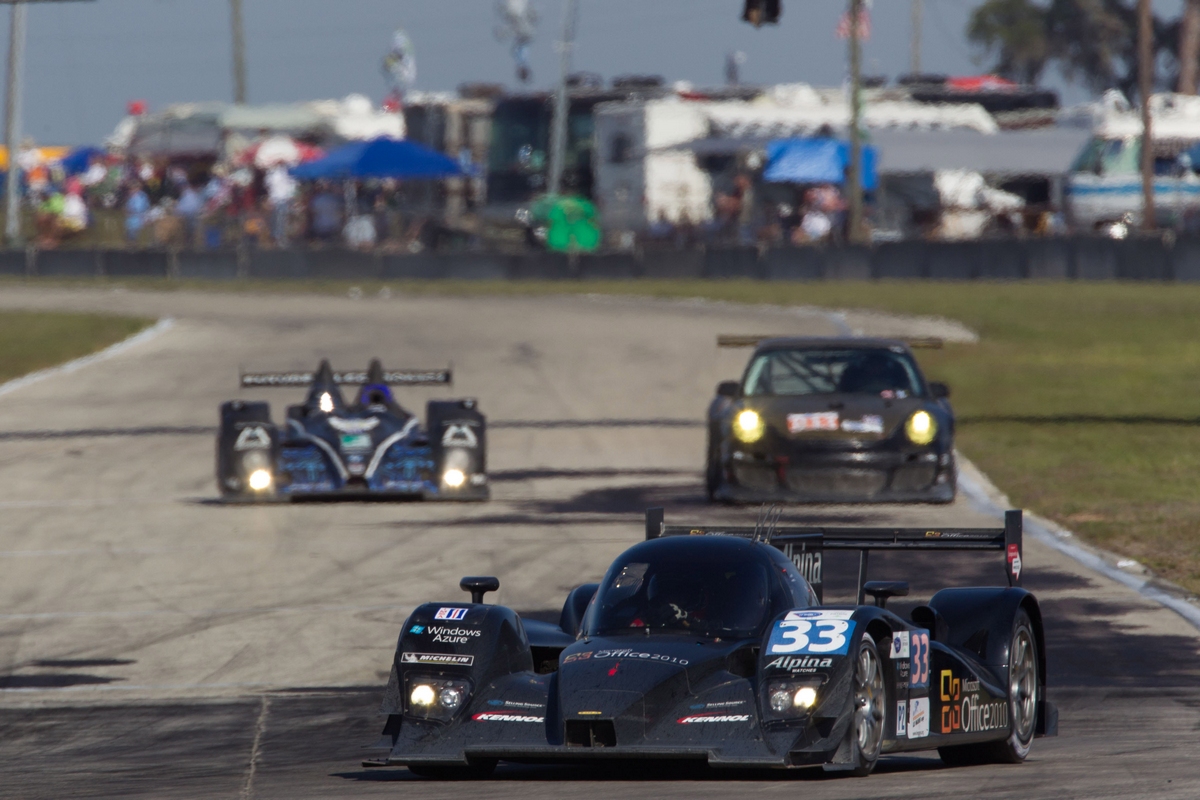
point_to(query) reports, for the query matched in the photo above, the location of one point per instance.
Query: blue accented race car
(327, 447)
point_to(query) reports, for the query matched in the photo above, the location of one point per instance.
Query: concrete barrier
(1163, 258)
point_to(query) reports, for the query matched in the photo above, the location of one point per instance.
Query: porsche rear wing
(805, 546)
(395, 377)
(753, 340)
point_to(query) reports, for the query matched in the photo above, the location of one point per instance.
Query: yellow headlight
(748, 426)
(422, 695)
(805, 697)
(259, 480)
(921, 428)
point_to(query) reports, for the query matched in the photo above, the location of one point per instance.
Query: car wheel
(478, 769)
(1024, 689)
(870, 702)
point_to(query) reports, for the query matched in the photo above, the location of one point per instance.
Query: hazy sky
(85, 60)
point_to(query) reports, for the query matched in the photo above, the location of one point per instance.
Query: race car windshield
(700, 598)
(800, 372)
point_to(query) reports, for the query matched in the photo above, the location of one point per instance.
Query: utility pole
(12, 125)
(1189, 47)
(914, 57)
(854, 174)
(558, 135)
(239, 52)
(1146, 88)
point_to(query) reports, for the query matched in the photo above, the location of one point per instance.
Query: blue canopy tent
(380, 158)
(816, 161)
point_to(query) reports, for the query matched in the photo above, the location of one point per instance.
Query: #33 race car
(830, 420)
(712, 643)
(327, 447)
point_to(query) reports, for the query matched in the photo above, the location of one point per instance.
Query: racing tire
(712, 478)
(870, 709)
(1024, 691)
(477, 770)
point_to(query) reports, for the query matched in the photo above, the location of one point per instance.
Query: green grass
(33, 340)
(1081, 401)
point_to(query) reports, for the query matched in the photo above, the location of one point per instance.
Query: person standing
(281, 191)
(137, 205)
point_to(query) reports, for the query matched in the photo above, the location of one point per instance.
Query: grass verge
(1081, 401)
(33, 340)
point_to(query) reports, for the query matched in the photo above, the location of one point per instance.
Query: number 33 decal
(918, 674)
(817, 636)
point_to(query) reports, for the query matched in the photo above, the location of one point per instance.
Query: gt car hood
(835, 417)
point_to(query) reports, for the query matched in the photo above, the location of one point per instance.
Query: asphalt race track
(156, 644)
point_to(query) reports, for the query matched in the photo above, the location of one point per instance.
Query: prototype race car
(328, 447)
(712, 644)
(830, 420)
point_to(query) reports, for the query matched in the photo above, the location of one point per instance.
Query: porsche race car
(712, 644)
(830, 420)
(327, 447)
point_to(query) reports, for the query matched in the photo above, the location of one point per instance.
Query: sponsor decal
(870, 423)
(918, 676)
(800, 663)
(725, 704)
(500, 716)
(589, 713)
(809, 562)
(417, 629)
(820, 613)
(899, 645)
(918, 717)
(821, 421)
(514, 704)
(255, 438)
(980, 714)
(453, 635)
(716, 717)
(355, 441)
(950, 689)
(459, 434)
(683, 662)
(353, 425)
(812, 633)
(902, 718)
(451, 613)
(933, 534)
(613, 670)
(1014, 561)
(444, 659)
(576, 657)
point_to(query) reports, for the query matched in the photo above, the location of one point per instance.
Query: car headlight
(790, 698)
(921, 428)
(748, 426)
(436, 698)
(325, 402)
(423, 695)
(259, 480)
(454, 478)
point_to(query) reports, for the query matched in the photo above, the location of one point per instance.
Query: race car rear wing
(753, 340)
(805, 546)
(402, 377)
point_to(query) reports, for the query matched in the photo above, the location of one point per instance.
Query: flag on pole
(864, 25)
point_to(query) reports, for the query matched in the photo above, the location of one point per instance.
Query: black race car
(827, 420)
(712, 644)
(327, 447)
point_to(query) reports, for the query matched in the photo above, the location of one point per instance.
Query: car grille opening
(835, 482)
(591, 733)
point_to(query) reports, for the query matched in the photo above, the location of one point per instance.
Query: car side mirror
(940, 391)
(479, 586)
(728, 389)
